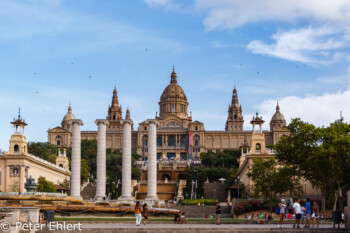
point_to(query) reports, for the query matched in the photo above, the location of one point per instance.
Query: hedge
(201, 201)
(247, 206)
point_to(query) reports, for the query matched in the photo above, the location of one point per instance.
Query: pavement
(202, 226)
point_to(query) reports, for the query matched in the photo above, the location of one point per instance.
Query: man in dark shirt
(218, 213)
(177, 217)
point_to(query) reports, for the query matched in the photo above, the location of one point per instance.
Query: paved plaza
(203, 226)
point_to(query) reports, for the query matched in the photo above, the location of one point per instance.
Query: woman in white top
(282, 207)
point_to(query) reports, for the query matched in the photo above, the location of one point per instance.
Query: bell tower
(18, 142)
(257, 140)
(235, 119)
(114, 113)
(62, 160)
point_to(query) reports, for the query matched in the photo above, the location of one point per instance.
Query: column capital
(101, 121)
(75, 121)
(126, 121)
(152, 121)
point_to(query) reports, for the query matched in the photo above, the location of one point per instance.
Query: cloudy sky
(56, 52)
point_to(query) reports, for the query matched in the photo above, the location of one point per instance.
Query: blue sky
(56, 52)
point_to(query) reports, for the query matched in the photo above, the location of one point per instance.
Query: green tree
(269, 179)
(52, 158)
(320, 155)
(45, 186)
(85, 170)
(42, 149)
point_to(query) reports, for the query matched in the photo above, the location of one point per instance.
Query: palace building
(17, 164)
(178, 135)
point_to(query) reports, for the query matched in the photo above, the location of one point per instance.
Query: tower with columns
(152, 161)
(76, 158)
(101, 159)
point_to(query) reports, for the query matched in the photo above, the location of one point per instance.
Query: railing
(33, 193)
(270, 151)
(47, 163)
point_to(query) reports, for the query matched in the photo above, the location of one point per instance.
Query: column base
(78, 197)
(100, 198)
(126, 198)
(152, 198)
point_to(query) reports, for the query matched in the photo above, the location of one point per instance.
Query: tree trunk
(323, 203)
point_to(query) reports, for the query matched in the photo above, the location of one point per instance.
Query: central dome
(173, 100)
(173, 90)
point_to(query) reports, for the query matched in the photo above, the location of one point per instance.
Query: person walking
(138, 213)
(218, 213)
(297, 211)
(145, 213)
(315, 214)
(307, 212)
(282, 207)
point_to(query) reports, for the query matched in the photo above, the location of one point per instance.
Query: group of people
(180, 218)
(310, 214)
(260, 218)
(139, 211)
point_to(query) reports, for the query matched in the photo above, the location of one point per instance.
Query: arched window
(61, 165)
(165, 176)
(144, 140)
(159, 141)
(183, 142)
(145, 128)
(113, 117)
(235, 117)
(16, 149)
(196, 128)
(258, 148)
(171, 140)
(196, 140)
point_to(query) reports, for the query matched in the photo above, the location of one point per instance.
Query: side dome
(277, 120)
(69, 115)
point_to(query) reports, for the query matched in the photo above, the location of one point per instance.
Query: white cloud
(320, 110)
(228, 14)
(307, 45)
(166, 4)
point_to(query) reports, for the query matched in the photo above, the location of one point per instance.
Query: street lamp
(237, 181)
(305, 189)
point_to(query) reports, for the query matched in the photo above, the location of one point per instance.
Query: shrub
(248, 205)
(201, 201)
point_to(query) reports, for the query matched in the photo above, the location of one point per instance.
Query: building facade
(17, 164)
(178, 135)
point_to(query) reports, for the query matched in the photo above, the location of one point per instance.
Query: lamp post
(237, 181)
(305, 188)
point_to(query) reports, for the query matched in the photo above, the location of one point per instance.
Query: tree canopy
(319, 154)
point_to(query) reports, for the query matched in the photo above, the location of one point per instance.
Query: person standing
(282, 207)
(138, 213)
(145, 213)
(218, 213)
(297, 211)
(315, 214)
(307, 212)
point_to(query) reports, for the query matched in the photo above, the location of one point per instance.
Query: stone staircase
(88, 192)
(200, 211)
(165, 190)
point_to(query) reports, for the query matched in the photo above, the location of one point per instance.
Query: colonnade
(127, 160)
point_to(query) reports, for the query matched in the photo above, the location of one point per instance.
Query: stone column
(126, 169)
(76, 158)
(101, 159)
(152, 161)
